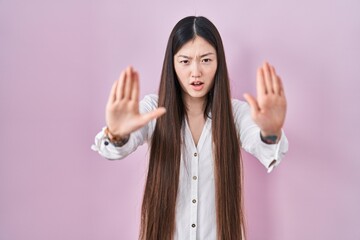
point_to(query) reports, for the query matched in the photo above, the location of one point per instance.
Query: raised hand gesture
(122, 109)
(269, 109)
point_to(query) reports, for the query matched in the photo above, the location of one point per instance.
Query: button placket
(194, 194)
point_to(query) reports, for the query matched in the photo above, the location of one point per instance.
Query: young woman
(195, 132)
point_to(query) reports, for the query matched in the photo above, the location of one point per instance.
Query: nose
(196, 70)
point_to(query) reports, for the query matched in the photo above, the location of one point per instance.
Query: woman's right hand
(122, 109)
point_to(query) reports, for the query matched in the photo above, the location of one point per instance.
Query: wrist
(117, 141)
(270, 138)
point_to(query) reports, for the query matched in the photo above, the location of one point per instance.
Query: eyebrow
(201, 56)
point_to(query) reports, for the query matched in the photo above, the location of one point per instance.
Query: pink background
(58, 60)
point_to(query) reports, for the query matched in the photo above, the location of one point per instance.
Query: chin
(197, 95)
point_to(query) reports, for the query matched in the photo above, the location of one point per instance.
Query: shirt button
(194, 200)
(194, 177)
(193, 225)
(195, 154)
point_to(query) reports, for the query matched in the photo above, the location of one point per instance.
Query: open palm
(122, 109)
(269, 109)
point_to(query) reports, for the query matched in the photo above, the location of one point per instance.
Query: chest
(196, 125)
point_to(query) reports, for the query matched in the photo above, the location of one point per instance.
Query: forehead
(197, 46)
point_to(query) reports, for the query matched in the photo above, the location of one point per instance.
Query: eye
(185, 61)
(206, 60)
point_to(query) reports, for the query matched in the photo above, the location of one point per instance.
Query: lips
(197, 85)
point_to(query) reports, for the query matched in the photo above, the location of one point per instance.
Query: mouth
(197, 83)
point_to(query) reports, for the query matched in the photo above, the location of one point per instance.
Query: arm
(270, 155)
(107, 149)
(126, 124)
(268, 110)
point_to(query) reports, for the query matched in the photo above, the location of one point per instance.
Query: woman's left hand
(269, 109)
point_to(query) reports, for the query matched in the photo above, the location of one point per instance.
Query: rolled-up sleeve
(270, 155)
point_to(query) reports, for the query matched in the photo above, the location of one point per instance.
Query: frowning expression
(195, 66)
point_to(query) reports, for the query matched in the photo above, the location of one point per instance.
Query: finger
(128, 83)
(275, 78)
(112, 96)
(147, 117)
(260, 83)
(268, 80)
(254, 106)
(120, 86)
(281, 87)
(135, 88)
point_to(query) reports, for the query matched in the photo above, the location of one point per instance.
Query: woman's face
(195, 66)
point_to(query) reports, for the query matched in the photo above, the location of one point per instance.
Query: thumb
(153, 114)
(253, 104)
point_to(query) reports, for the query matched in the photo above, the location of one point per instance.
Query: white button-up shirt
(195, 209)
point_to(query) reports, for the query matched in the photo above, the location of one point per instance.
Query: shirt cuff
(272, 154)
(106, 149)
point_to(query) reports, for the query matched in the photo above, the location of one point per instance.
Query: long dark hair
(159, 202)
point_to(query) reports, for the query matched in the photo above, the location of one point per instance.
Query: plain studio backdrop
(58, 60)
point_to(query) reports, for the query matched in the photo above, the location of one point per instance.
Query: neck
(194, 106)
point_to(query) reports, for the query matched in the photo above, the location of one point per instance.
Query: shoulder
(242, 115)
(149, 102)
(238, 105)
(151, 98)
(241, 110)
